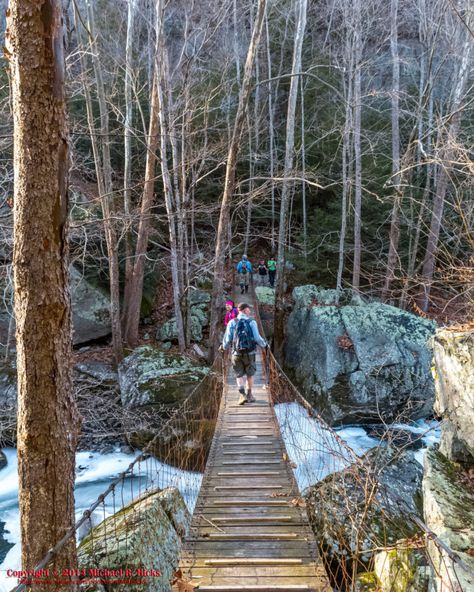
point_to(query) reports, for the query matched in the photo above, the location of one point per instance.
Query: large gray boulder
(454, 380)
(149, 376)
(90, 309)
(357, 362)
(352, 518)
(147, 533)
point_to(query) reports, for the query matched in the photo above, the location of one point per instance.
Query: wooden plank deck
(248, 531)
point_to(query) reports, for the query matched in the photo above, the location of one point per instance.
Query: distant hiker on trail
(231, 312)
(244, 269)
(242, 333)
(262, 272)
(272, 267)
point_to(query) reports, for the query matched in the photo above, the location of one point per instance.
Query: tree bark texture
(229, 183)
(47, 416)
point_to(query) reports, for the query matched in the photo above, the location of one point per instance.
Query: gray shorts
(244, 364)
(244, 279)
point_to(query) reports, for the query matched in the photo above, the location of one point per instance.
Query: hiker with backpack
(231, 312)
(262, 272)
(242, 334)
(272, 267)
(244, 269)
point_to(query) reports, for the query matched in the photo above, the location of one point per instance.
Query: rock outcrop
(448, 490)
(351, 519)
(149, 376)
(359, 363)
(199, 301)
(147, 533)
(454, 384)
(448, 502)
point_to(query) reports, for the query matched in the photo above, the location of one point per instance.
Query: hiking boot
(242, 399)
(250, 397)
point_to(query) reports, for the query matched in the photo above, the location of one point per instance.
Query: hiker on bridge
(244, 269)
(272, 266)
(231, 312)
(242, 334)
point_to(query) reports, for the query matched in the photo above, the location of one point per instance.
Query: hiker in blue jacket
(242, 334)
(244, 269)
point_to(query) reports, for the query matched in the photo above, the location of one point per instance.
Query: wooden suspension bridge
(250, 530)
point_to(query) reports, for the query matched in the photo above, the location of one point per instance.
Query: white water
(94, 472)
(316, 451)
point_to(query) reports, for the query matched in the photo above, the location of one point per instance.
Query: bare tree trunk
(271, 132)
(395, 181)
(127, 173)
(429, 261)
(171, 194)
(345, 175)
(47, 417)
(107, 192)
(303, 184)
(229, 183)
(135, 293)
(289, 149)
(357, 146)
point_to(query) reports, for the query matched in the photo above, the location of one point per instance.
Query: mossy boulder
(150, 376)
(357, 362)
(147, 533)
(351, 518)
(448, 505)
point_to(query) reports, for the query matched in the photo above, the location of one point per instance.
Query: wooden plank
(253, 474)
(255, 536)
(253, 587)
(252, 519)
(253, 561)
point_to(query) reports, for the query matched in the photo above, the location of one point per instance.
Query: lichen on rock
(448, 503)
(146, 533)
(150, 376)
(265, 295)
(357, 362)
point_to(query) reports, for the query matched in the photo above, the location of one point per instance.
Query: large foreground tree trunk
(229, 183)
(47, 416)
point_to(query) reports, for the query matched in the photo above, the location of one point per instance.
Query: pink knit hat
(229, 302)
